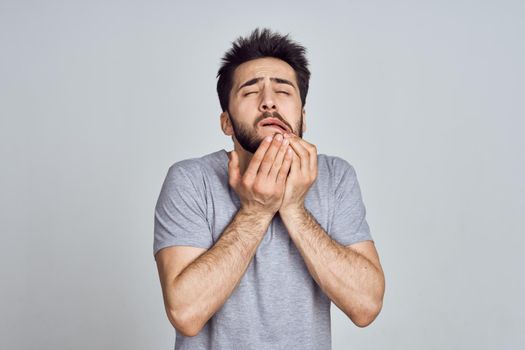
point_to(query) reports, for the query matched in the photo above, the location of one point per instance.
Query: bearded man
(253, 245)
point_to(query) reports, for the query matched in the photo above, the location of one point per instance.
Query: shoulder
(195, 166)
(193, 170)
(334, 166)
(185, 169)
(190, 165)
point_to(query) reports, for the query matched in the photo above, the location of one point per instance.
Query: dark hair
(261, 44)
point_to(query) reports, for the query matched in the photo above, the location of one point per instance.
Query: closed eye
(251, 92)
(283, 92)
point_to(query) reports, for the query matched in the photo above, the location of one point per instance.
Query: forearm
(204, 285)
(349, 279)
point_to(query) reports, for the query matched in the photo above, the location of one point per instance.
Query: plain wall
(99, 98)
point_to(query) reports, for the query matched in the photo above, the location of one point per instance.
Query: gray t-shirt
(277, 304)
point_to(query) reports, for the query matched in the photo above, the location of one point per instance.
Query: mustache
(275, 115)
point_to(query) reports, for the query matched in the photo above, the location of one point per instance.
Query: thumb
(233, 169)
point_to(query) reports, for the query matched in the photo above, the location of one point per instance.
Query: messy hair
(259, 44)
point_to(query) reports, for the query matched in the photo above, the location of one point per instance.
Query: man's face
(264, 89)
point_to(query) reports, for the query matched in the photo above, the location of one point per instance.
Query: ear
(304, 120)
(226, 124)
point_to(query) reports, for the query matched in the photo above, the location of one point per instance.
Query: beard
(248, 138)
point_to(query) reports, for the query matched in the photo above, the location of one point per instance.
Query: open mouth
(275, 126)
(274, 123)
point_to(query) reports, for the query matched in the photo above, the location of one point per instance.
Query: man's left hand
(303, 174)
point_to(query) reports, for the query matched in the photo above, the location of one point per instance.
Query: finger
(269, 156)
(255, 162)
(285, 167)
(312, 153)
(233, 169)
(313, 161)
(302, 153)
(278, 160)
(296, 163)
(312, 150)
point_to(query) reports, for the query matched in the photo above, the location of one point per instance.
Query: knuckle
(245, 182)
(275, 143)
(267, 161)
(258, 187)
(256, 157)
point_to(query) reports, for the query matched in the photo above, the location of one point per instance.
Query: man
(252, 245)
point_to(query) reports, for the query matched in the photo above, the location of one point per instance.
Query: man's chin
(251, 147)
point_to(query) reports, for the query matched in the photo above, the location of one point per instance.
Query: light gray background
(99, 98)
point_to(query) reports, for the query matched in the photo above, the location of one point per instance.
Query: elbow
(365, 318)
(363, 322)
(373, 307)
(185, 324)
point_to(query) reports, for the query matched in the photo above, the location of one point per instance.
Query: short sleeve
(180, 212)
(349, 223)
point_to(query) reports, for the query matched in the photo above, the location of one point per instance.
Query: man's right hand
(261, 187)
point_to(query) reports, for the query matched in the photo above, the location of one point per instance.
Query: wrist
(295, 210)
(258, 215)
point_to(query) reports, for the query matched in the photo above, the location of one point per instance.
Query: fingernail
(279, 137)
(268, 138)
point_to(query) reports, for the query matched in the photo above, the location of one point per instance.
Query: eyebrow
(256, 80)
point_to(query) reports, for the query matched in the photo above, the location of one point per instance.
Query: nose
(267, 103)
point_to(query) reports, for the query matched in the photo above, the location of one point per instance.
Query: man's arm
(196, 294)
(350, 276)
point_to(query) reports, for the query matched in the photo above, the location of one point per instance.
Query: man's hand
(302, 175)
(261, 188)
